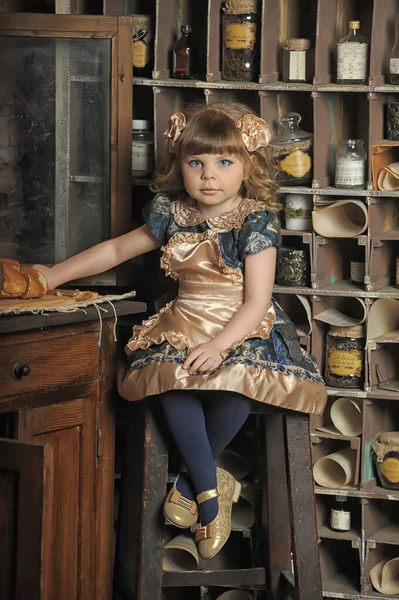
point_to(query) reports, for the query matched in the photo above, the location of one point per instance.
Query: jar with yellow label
(386, 459)
(345, 357)
(239, 26)
(142, 45)
(293, 151)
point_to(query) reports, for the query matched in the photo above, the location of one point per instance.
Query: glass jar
(142, 45)
(352, 56)
(292, 267)
(344, 356)
(350, 164)
(386, 459)
(296, 60)
(239, 26)
(142, 149)
(293, 151)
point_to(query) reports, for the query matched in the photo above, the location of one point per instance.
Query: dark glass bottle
(358, 267)
(182, 53)
(340, 517)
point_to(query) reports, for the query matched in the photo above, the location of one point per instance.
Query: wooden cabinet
(57, 465)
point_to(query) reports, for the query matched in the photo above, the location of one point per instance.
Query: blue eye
(225, 162)
(195, 163)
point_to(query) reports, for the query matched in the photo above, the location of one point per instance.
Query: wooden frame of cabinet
(118, 31)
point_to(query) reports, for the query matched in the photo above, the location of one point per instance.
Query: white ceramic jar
(298, 212)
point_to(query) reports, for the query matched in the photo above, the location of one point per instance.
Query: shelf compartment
(324, 444)
(333, 20)
(379, 415)
(283, 19)
(170, 16)
(337, 116)
(383, 218)
(383, 37)
(383, 367)
(323, 511)
(166, 102)
(324, 423)
(375, 553)
(381, 522)
(382, 264)
(340, 566)
(332, 268)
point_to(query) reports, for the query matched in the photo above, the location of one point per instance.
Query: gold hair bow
(177, 124)
(255, 132)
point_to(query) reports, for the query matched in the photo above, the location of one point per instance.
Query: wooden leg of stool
(140, 532)
(276, 495)
(304, 528)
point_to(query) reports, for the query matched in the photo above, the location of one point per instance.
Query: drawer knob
(20, 371)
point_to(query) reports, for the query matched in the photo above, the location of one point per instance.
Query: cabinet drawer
(40, 365)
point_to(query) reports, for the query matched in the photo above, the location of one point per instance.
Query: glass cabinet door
(57, 110)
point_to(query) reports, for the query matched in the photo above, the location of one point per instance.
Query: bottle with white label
(352, 56)
(394, 58)
(340, 516)
(350, 165)
(142, 149)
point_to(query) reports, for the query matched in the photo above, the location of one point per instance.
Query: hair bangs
(214, 133)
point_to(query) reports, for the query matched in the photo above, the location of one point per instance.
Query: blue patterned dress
(207, 257)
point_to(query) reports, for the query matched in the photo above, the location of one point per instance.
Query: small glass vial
(340, 516)
(344, 356)
(394, 58)
(352, 56)
(142, 149)
(182, 55)
(350, 165)
(293, 151)
(296, 59)
(239, 47)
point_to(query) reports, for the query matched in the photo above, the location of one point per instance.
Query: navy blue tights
(202, 423)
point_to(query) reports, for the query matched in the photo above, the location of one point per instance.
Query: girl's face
(213, 180)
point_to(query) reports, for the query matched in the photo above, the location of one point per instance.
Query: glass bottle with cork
(394, 58)
(182, 55)
(352, 56)
(239, 48)
(350, 164)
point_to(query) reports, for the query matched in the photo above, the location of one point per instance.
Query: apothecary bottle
(142, 148)
(352, 56)
(394, 58)
(293, 151)
(345, 356)
(182, 55)
(296, 60)
(350, 164)
(340, 516)
(239, 43)
(142, 45)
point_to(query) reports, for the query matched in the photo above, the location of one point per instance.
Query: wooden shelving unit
(332, 112)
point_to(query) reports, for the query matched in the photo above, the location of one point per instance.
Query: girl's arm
(259, 278)
(101, 257)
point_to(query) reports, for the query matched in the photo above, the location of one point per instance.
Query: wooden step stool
(289, 507)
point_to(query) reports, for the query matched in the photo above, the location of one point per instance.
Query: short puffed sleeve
(156, 215)
(260, 230)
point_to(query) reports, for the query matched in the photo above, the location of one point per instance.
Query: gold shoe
(179, 510)
(212, 537)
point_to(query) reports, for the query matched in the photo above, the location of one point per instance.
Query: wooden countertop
(27, 321)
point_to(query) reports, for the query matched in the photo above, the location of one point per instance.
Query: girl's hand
(47, 272)
(204, 357)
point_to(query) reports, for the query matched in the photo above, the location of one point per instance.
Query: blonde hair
(212, 130)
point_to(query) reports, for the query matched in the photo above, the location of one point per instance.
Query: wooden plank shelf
(239, 578)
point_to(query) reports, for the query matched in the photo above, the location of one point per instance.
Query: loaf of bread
(36, 283)
(12, 283)
(20, 282)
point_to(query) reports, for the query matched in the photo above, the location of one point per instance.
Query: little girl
(223, 342)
